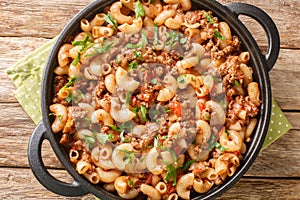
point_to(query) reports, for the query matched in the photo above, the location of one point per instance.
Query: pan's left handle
(41, 173)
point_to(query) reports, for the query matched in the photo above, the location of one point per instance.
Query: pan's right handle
(40, 171)
(267, 23)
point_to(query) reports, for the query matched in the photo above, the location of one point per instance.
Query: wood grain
(28, 24)
(47, 18)
(21, 184)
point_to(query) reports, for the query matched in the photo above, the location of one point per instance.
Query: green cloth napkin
(27, 76)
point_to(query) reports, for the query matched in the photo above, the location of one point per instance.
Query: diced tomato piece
(176, 108)
(201, 106)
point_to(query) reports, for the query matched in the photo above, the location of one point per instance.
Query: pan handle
(41, 173)
(268, 25)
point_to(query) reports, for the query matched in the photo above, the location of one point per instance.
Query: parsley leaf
(209, 18)
(139, 9)
(110, 20)
(173, 38)
(116, 128)
(130, 182)
(76, 60)
(138, 54)
(128, 98)
(90, 140)
(180, 79)
(133, 65)
(171, 172)
(103, 138)
(218, 35)
(72, 81)
(187, 165)
(129, 156)
(81, 42)
(69, 98)
(236, 83)
(123, 138)
(144, 112)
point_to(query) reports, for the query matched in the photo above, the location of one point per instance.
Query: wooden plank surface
(47, 18)
(27, 24)
(21, 184)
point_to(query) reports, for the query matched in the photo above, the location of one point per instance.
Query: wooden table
(27, 24)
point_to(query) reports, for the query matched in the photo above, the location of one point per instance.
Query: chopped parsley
(90, 140)
(135, 110)
(139, 9)
(173, 38)
(182, 40)
(129, 156)
(81, 42)
(144, 39)
(180, 79)
(116, 128)
(226, 131)
(236, 83)
(218, 146)
(76, 60)
(102, 49)
(138, 54)
(103, 138)
(218, 35)
(154, 81)
(110, 20)
(167, 109)
(130, 182)
(60, 117)
(72, 81)
(133, 65)
(128, 97)
(209, 18)
(187, 165)
(70, 98)
(134, 46)
(171, 172)
(123, 138)
(214, 144)
(144, 112)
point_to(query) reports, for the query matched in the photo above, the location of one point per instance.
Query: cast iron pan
(260, 63)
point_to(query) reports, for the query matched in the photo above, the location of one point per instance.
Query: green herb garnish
(129, 156)
(171, 172)
(144, 39)
(130, 182)
(167, 109)
(182, 40)
(236, 83)
(173, 38)
(76, 60)
(103, 138)
(138, 54)
(139, 9)
(144, 112)
(209, 18)
(110, 20)
(180, 79)
(218, 35)
(69, 98)
(128, 97)
(116, 128)
(154, 81)
(90, 140)
(134, 46)
(218, 146)
(72, 81)
(133, 65)
(81, 42)
(187, 165)
(123, 138)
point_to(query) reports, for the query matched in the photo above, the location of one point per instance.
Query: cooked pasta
(154, 99)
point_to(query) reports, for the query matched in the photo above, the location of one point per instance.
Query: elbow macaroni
(134, 117)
